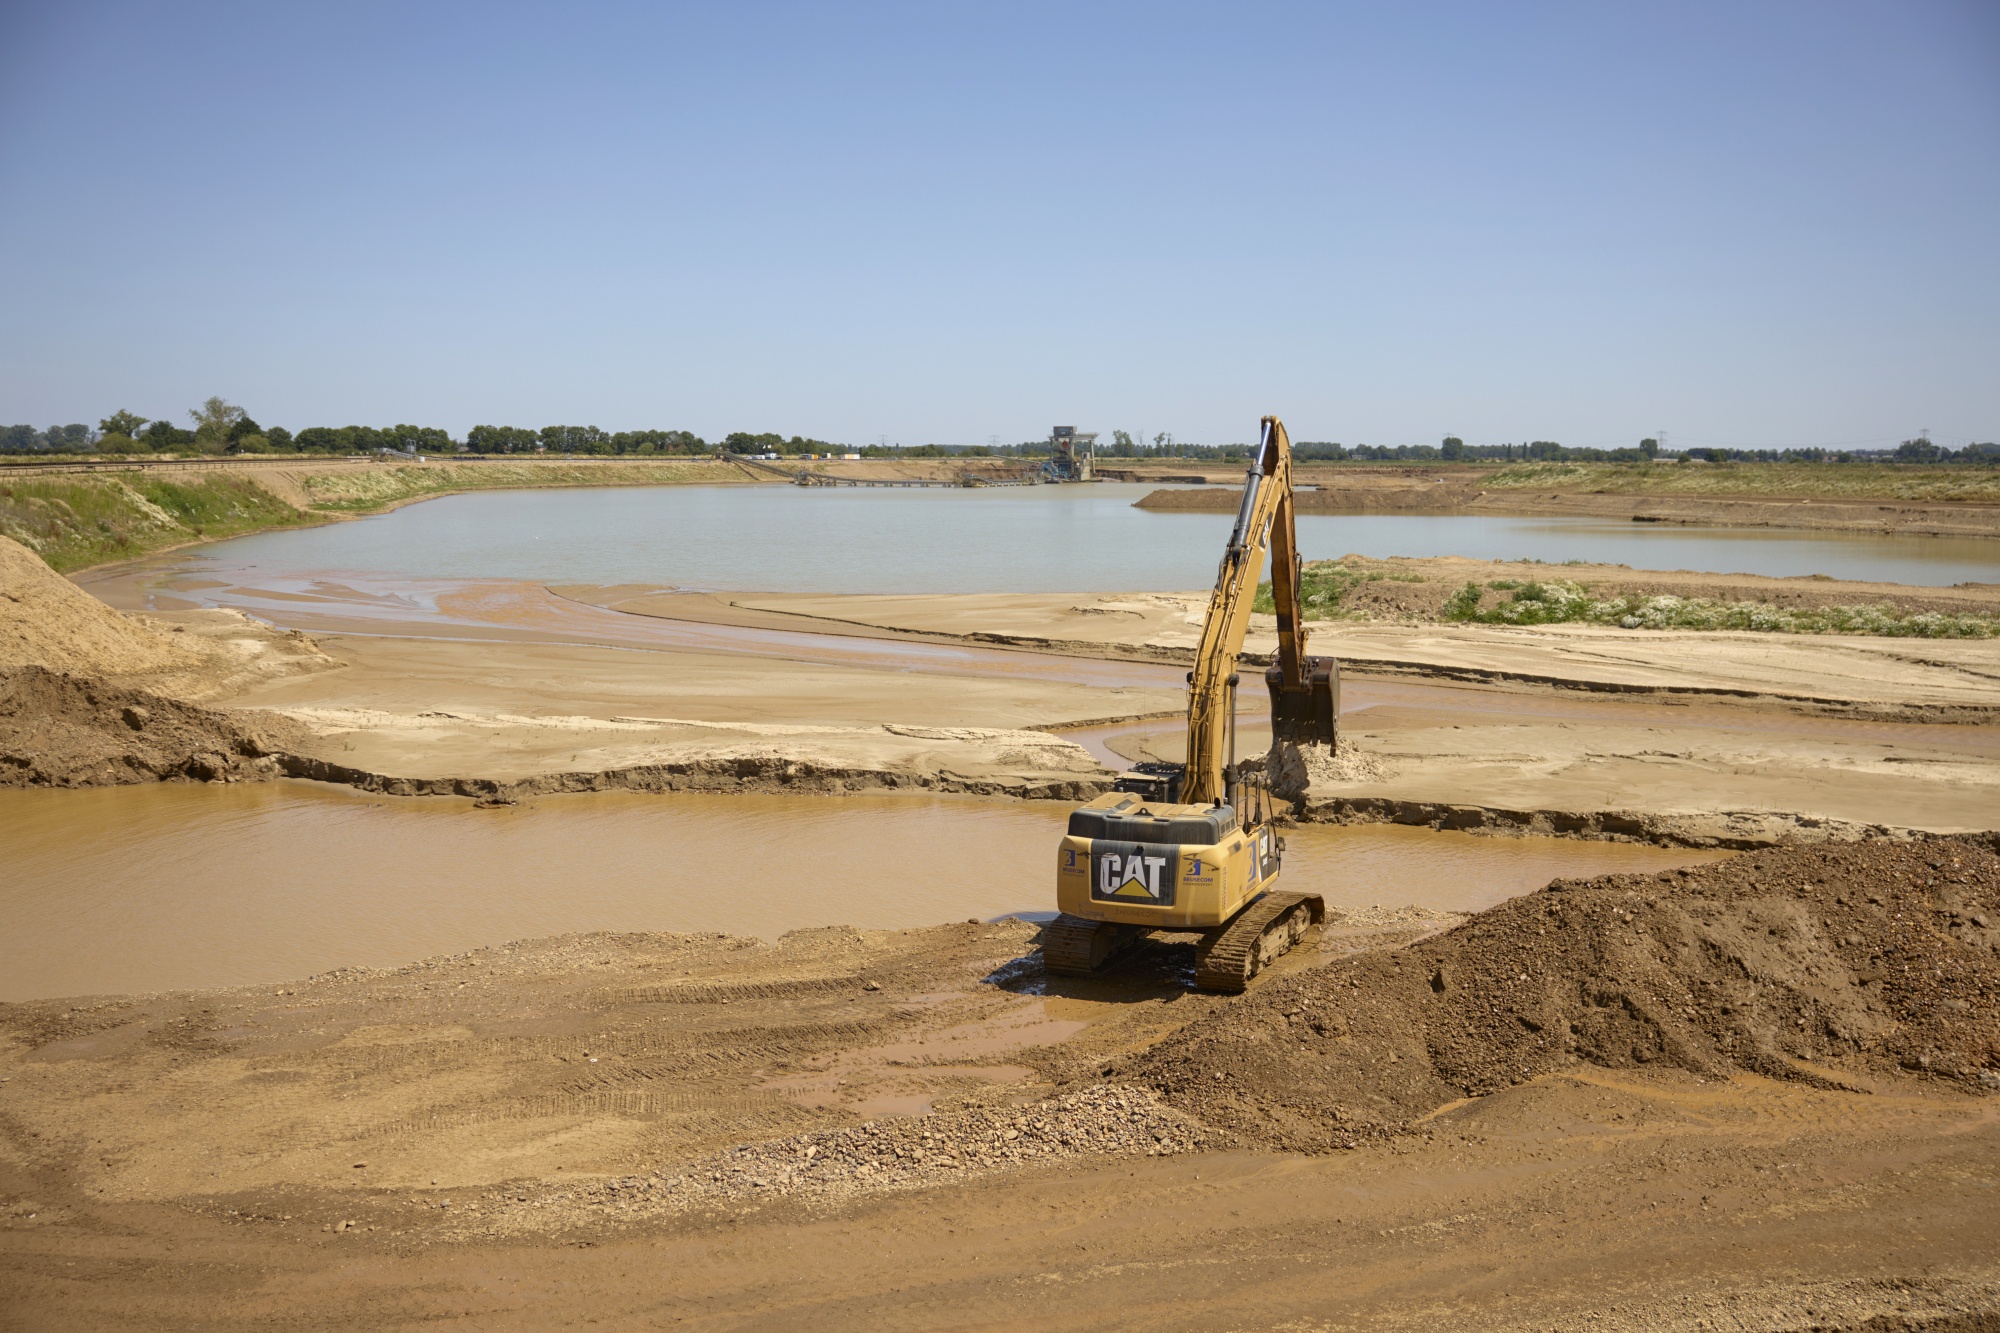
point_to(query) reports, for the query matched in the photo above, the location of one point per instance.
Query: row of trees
(221, 427)
(217, 427)
(1453, 449)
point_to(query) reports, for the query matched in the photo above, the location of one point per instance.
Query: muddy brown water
(162, 887)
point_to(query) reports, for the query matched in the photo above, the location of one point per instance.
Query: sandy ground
(520, 714)
(1732, 735)
(503, 690)
(917, 1130)
(1755, 1094)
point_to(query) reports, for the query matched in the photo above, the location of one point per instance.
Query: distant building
(1072, 454)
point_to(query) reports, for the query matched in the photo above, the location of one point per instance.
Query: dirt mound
(59, 730)
(1826, 964)
(45, 620)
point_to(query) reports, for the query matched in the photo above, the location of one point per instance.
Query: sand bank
(1680, 737)
(504, 690)
(1828, 499)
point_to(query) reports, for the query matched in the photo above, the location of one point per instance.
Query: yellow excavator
(1194, 848)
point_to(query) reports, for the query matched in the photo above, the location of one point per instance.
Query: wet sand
(1731, 738)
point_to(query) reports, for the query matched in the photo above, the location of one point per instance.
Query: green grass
(1322, 586)
(1564, 602)
(91, 520)
(364, 489)
(1830, 481)
(74, 522)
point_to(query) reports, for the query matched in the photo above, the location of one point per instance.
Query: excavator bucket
(1309, 715)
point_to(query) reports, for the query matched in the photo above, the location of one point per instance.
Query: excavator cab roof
(1125, 817)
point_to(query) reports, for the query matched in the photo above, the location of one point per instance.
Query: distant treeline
(220, 427)
(1452, 449)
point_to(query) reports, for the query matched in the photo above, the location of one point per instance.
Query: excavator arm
(1304, 690)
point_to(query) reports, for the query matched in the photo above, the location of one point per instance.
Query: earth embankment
(91, 697)
(1659, 495)
(78, 520)
(59, 730)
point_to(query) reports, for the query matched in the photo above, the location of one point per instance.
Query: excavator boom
(1304, 690)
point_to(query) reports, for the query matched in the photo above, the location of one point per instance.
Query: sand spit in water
(1840, 676)
(1697, 739)
(1028, 766)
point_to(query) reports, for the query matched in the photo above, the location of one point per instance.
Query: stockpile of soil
(60, 730)
(1831, 964)
(45, 620)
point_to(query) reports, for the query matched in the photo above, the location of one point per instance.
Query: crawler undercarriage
(1227, 958)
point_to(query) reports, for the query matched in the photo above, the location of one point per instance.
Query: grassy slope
(359, 490)
(84, 521)
(1324, 586)
(1831, 481)
(77, 521)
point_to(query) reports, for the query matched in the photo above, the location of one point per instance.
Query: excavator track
(1229, 956)
(1075, 947)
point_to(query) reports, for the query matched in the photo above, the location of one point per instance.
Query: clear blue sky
(1760, 224)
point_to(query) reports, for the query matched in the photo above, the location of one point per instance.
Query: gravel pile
(1832, 964)
(902, 1154)
(943, 1147)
